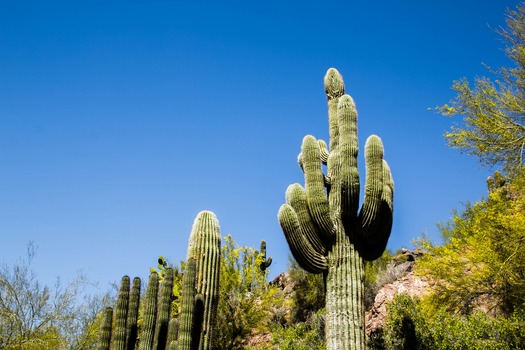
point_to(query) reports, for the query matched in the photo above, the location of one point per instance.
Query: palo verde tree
(246, 299)
(494, 110)
(37, 316)
(326, 231)
(481, 261)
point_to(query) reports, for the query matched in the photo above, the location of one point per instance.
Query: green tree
(308, 295)
(494, 110)
(482, 259)
(412, 325)
(35, 316)
(246, 300)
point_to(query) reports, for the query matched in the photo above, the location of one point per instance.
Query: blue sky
(120, 121)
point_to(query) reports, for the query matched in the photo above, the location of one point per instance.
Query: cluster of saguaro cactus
(194, 329)
(326, 231)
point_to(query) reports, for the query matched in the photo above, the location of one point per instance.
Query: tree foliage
(494, 110)
(482, 260)
(35, 316)
(246, 300)
(411, 325)
(308, 295)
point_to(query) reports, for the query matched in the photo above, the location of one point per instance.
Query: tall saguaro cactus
(200, 294)
(325, 229)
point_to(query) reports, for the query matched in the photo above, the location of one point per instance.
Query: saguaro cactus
(265, 262)
(200, 294)
(326, 231)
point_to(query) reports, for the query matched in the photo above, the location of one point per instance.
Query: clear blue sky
(120, 121)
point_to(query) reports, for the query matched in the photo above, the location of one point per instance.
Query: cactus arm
(314, 185)
(373, 246)
(149, 313)
(373, 187)
(307, 257)
(118, 341)
(334, 88)
(324, 151)
(296, 198)
(163, 309)
(187, 305)
(348, 150)
(104, 337)
(387, 204)
(133, 314)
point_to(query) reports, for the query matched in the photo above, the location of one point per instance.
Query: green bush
(300, 336)
(308, 293)
(405, 326)
(410, 326)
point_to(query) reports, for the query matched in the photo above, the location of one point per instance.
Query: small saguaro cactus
(326, 231)
(266, 262)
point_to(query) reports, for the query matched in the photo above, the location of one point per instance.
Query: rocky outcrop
(406, 282)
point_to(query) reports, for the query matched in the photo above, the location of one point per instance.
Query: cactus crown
(312, 214)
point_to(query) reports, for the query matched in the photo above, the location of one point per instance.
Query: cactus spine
(200, 294)
(322, 223)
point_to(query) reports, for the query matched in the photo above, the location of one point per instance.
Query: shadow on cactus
(326, 230)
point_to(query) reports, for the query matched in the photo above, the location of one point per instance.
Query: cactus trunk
(345, 315)
(321, 223)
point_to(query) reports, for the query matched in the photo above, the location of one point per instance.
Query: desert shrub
(299, 336)
(410, 324)
(308, 295)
